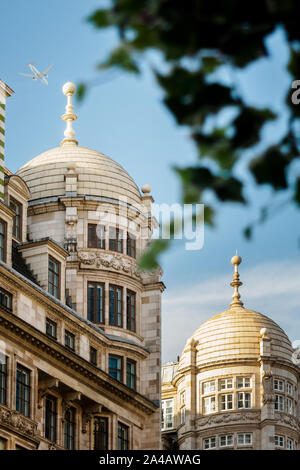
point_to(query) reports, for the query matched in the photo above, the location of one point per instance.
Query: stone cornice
(44, 241)
(154, 286)
(5, 89)
(69, 315)
(5, 208)
(277, 362)
(52, 351)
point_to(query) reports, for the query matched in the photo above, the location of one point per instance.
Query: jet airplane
(36, 75)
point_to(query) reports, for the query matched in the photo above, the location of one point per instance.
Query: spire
(236, 283)
(69, 89)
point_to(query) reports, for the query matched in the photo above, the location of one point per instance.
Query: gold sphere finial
(236, 283)
(236, 259)
(69, 89)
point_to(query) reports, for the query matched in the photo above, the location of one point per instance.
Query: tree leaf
(122, 58)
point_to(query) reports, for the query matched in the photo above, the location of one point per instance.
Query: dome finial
(69, 89)
(236, 283)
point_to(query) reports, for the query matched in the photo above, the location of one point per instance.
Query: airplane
(36, 74)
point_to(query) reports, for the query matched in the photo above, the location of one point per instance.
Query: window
(93, 356)
(279, 441)
(209, 387)
(227, 401)
(3, 240)
(96, 236)
(69, 340)
(3, 379)
(17, 221)
(51, 329)
(244, 400)
(167, 414)
(123, 436)
(115, 306)
(100, 433)
(279, 403)
(130, 245)
(225, 383)
(226, 440)
(279, 385)
(209, 405)
(289, 406)
(182, 398)
(243, 382)
(130, 309)
(290, 444)
(116, 367)
(182, 415)
(115, 239)
(51, 418)
(131, 374)
(69, 428)
(209, 443)
(289, 389)
(5, 300)
(23, 390)
(244, 439)
(96, 302)
(54, 277)
(3, 443)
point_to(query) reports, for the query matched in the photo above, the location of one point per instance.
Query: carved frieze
(228, 418)
(16, 420)
(288, 420)
(116, 262)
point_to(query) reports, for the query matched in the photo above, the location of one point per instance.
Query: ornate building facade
(235, 385)
(79, 321)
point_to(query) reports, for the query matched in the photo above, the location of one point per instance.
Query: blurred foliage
(196, 39)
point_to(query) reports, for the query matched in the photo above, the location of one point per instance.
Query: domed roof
(235, 334)
(98, 175)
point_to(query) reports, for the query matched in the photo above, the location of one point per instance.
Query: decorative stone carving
(227, 418)
(71, 233)
(285, 419)
(16, 420)
(267, 381)
(86, 418)
(116, 262)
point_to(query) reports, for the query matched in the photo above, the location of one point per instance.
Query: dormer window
(17, 221)
(54, 277)
(3, 240)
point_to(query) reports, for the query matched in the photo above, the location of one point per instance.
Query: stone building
(79, 321)
(235, 385)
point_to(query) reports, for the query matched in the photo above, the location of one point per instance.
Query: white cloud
(271, 288)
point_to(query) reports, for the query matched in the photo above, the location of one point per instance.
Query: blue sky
(125, 119)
